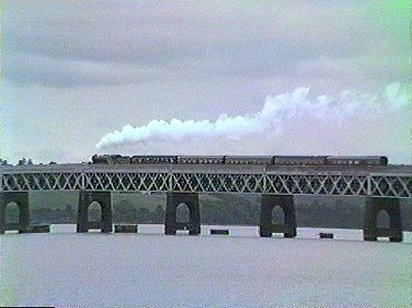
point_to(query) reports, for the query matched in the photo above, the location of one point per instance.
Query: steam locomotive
(241, 160)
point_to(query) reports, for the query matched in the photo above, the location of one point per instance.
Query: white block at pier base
(125, 228)
(62, 228)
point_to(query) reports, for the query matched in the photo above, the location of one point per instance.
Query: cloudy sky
(205, 77)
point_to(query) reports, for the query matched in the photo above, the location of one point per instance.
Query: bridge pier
(105, 201)
(269, 202)
(373, 206)
(22, 201)
(171, 223)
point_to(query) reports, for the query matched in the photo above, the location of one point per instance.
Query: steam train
(241, 160)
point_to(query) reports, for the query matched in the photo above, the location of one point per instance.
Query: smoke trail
(296, 116)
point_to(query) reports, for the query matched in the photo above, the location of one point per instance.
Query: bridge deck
(390, 169)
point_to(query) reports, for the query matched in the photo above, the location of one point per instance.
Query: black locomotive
(241, 160)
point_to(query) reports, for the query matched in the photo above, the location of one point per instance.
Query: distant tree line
(22, 162)
(3, 162)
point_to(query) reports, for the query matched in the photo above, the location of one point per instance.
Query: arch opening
(12, 213)
(278, 216)
(383, 220)
(183, 213)
(95, 213)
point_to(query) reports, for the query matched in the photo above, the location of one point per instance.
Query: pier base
(22, 201)
(269, 202)
(373, 206)
(192, 202)
(105, 201)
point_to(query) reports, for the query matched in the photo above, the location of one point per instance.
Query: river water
(149, 269)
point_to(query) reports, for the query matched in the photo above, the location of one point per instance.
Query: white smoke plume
(291, 123)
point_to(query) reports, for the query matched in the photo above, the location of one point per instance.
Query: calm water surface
(63, 269)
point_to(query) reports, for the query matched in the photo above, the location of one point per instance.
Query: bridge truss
(196, 180)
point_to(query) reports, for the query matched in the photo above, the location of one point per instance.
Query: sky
(205, 77)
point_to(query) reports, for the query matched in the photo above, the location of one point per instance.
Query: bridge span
(382, 186)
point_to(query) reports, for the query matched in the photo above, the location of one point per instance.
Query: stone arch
(21, 199)
(89, 200)
(95, 211)
(286, 205)
(183, 213)
(383, 219)
(12, 213)
(278, 215)
(172, 223)
(373, 208)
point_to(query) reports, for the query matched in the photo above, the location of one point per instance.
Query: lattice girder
(334, 184)
(126, 181)
(395, 186)
(214, 182)
(309, 184)
(41, 181)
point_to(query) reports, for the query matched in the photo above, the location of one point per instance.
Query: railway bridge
(381, 186)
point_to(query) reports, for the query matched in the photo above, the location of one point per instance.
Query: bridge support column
(22, 201)
(171, 223)
(269, 202)
(105, 201)
(373, 206)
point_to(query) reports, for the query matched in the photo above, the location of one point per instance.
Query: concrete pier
(192, 202)
(269, 202)
(105, 201)
(22, 201)
(373, 206)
